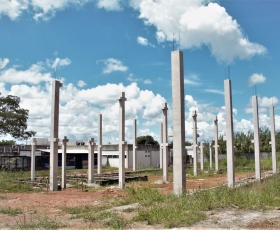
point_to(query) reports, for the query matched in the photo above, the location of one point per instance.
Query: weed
(44, 223)
(10, 211)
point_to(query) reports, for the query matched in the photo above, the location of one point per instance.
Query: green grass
(11, 211)
(44, 223)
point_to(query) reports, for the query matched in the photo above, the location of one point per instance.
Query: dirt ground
(48, 204)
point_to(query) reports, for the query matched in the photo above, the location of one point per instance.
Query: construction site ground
(47, 204)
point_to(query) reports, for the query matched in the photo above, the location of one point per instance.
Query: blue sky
(102, 47)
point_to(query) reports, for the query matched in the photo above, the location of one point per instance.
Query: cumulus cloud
(41, 9)
(113, 65)
(3, 62)
(144, 42)
(256, 79)
(34, 75)
(263, 102)
(110, 5)
(147, 81)
(81, 83)
(61, 62)
(200, 23)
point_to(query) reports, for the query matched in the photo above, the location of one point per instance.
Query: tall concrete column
(194, 115)
(256, 138)
(273, 142)
(134, 153)
(33, 155)
(210, 156)
(229, 133)
(122, 141)
(164, 142)
(178, 117)
(201, 157)
(91, 160)
(54, 134)
(161, 144)
(99, 153)
(63, 163)
(216, 145)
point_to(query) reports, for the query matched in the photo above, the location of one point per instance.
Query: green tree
(146, 140)
(13, 119)
(7, 142)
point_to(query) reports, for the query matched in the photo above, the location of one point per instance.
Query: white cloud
(81, 83)
(266, 101)
(110, 5)
(41, 9)
(3, 63)
(61, 62)
(199, 24)
(34, 75)
(214, 91)
(112, 65)
(190, 82)
(147, 81)
(256, 79)
(144, 41)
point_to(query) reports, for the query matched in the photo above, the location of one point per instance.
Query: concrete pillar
(134, 153)
(99, 147)
(201, 157)
(273, 142)
(33, 160)
(126, 159)
(164, 142)
(256, 138)
(210, 156)
(216, 145)
(161, 144)
(194, 115)
(122, 141)
(54, 134)
(91, 160)
(63, 158)
(229, 133)
(178, 118)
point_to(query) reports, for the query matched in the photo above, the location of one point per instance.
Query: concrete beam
(201, 157)
(161, 143)
(194, 115)
(33, 158)
(91, 160)
(122, 141)
(54, 134)
(164, 143)
(210, 156)
(134, 153)
(99, 151)
(229, 133)
(216, 145)
(256, 138)
(63, 163)
(273, 140)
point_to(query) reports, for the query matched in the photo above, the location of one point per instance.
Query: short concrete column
(122, 141)
(161, 144)
(273, 140)
(229, 133)
(63, 170)
(194, 115)
(99, 147)
(134, 153)
(210, 156)
(256, 138)
(164, 143)
(91, 160)
(33, 158)
(201, 157)
(216, 145)
(54, 135)
(126, 157)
